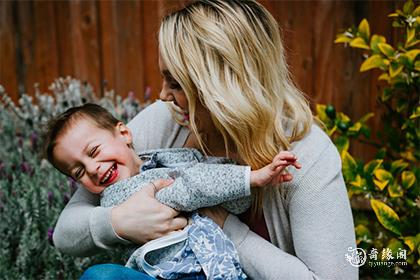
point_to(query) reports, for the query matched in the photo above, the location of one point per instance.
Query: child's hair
(57, 126)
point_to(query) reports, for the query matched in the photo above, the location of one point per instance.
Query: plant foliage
(390, 181)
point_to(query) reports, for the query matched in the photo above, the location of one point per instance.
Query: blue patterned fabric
(206, 249)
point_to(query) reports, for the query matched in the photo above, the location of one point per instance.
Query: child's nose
(92, 168)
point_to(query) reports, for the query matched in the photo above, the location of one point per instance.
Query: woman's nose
(165, 93)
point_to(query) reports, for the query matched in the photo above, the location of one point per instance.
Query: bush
(389, 231)
(32, 192)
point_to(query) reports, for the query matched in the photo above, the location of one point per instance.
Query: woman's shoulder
(155, 128)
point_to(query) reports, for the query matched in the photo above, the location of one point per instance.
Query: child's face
(94, 156)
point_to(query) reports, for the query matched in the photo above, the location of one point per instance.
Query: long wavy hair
(228, 55)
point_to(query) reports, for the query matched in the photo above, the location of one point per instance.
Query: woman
(224, 70)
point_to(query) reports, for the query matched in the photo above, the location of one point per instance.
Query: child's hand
(273, 173)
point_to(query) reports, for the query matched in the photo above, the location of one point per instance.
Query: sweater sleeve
(321, 225)
(204, 185)
(84, 228)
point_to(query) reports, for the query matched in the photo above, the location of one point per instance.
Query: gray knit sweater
(309, 220)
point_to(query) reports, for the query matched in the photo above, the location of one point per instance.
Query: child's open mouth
(110, 175)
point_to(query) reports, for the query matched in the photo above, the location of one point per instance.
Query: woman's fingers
(142, 218)
(160, 184)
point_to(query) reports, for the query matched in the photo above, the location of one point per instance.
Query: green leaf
(386, 94)
(371, 166)
(364, 29)
(408, 7)
(394, 244)
(358, 182)
(398, 165)
(375, 61)
(342, 143)
(408, 178)
(359, 43)
(386, 49)
(375, 40)
(386, 216)
(395, 190)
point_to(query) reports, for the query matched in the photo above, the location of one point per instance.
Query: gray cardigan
(309, 220)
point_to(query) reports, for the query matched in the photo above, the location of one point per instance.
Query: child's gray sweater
(198, 182)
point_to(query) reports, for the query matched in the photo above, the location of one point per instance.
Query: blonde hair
(228, 55)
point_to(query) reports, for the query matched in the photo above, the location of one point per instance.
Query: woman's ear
(124, 132)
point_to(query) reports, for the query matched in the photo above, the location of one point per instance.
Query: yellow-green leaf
(384, 77)
(417, 11)
(394, 244)
(358, 182)
(362, 234)
(386, 216)
(393, 72)
(398, 165)
(410, 241)
(408, 178)
(320, 111)
(417, 65)
(356, 127)
(411, 33)
(375, 61)
(366, 117)
(386, 49)
(412, 54)
(359, 42)
(416, 114)
(380, 184)
(412, 43)
(343, 117)
(382, 175)
(364, 29)
(342, 39)
(408, 7)
(349, 165)
(395, 190)
(372, 165)
(393, 15)
(375, 40)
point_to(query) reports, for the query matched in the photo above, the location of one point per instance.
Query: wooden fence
(114, 44)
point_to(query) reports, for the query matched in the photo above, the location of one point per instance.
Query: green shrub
(32, 192)
(390, 181)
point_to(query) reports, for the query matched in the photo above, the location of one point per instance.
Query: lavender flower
(26, 168)
(66, 198)
(50, 233)
(34, 139)
(50, 196)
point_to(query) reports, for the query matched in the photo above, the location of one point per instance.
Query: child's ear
(125, 132)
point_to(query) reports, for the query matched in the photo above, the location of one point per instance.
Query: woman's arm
(321, 225)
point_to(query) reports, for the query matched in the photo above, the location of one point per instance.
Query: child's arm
(273, 173)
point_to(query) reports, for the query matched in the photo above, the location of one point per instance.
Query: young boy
(90, 145)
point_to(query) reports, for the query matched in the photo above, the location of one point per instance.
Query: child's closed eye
(79, 173)
(94, 151)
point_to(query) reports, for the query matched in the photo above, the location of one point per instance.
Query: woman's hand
(142, 218)
(216, 213)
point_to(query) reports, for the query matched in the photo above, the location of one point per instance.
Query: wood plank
(8, 49)
(150, 28)
(85, 43)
